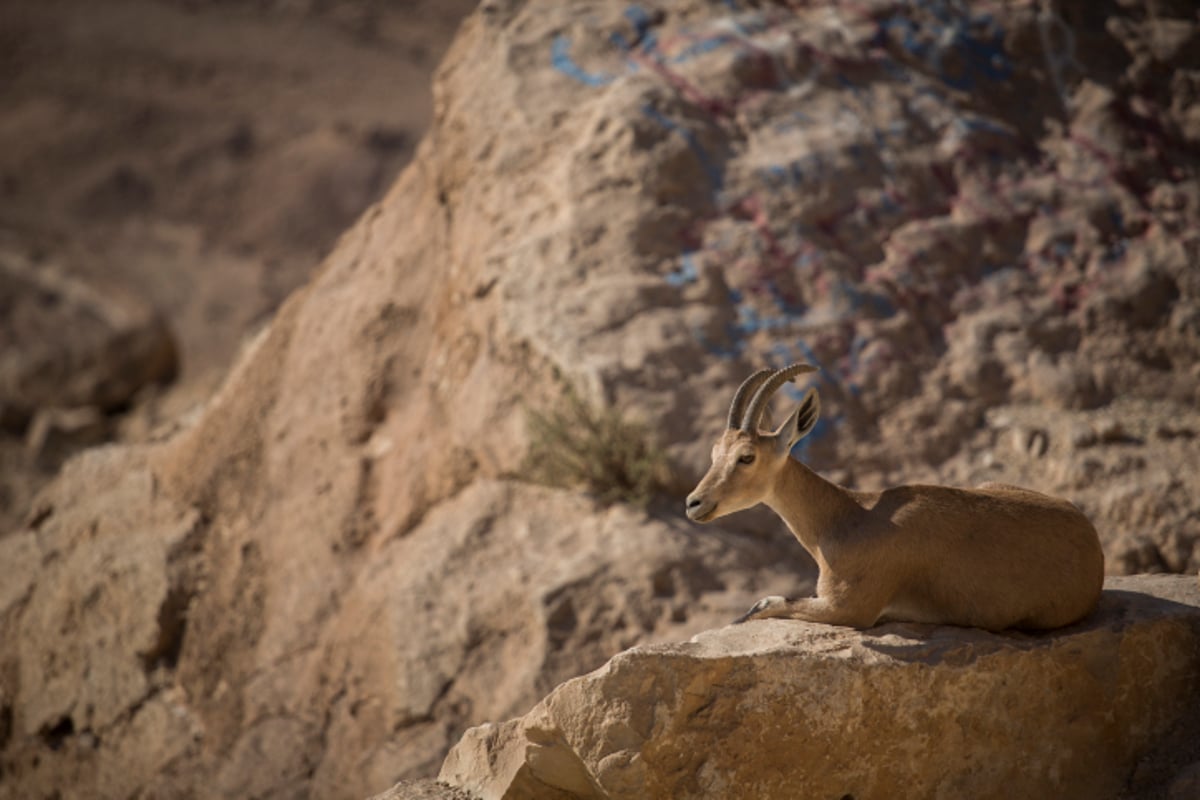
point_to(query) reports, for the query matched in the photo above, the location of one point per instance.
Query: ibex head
(745, 460)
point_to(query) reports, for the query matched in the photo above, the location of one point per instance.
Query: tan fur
(994, 557)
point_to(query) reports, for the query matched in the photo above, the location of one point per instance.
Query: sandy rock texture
(424, 790)
(316, 579)
(983, 258)
(783, 709)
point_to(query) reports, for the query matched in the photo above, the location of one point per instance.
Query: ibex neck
(809, 504)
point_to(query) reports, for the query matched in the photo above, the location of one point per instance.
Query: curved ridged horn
(744, 392)
(769, 387)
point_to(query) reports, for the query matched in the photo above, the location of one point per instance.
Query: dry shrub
(580, 445)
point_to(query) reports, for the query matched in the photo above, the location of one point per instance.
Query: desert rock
(784, 709)
(314, 581)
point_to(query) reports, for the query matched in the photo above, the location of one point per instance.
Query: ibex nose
(697, 507)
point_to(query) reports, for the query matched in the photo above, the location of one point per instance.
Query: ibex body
(994, 557)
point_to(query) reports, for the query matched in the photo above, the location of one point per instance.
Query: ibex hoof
(757, 610)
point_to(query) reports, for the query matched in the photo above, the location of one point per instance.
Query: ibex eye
(746, 459)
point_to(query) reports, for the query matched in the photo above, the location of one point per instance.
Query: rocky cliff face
(981, 226)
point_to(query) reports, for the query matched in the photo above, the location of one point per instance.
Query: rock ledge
(780, 709)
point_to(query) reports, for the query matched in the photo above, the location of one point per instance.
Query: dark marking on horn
(748, 387)
(759, 404)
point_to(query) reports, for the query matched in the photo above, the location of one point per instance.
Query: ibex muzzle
(994, 557)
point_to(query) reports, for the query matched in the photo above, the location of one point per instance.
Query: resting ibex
(995, 557)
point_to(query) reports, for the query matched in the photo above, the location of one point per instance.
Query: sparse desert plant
(577, 444)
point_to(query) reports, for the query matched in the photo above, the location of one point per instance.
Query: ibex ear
(800, 423)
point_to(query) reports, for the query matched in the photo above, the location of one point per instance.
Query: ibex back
(994, 557)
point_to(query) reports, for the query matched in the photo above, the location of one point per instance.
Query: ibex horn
(766, 390)
(737, 408)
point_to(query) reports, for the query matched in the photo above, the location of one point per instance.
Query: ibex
(995, 557)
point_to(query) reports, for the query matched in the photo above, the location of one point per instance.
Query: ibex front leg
(813, 609)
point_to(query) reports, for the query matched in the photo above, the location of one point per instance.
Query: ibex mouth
(700, 510)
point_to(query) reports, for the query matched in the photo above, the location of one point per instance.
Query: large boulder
(786, 709)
